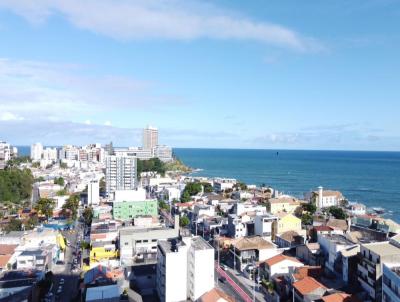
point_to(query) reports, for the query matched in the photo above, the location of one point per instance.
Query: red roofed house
(6, 253)
(339, 297)
(278, 265)
(308, 289)
(216, 295)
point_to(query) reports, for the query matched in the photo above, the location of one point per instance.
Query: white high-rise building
(120, 173)
(150, 138)
(93, 192)
(6, 153)
(36, 152)
(50, 154)
(185, 269)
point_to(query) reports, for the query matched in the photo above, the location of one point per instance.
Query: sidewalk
(247, 284)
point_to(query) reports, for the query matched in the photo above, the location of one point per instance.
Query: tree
(36, 165)
(184, 221)
(59, 181)
(185, 196)
(45, 206)
(31, 223)
(14, 225)
(207, 187)
(306, 219)
(309, 207)
(163, 205)
(15, 185)
(337, 212)
(193, 188)
(63, 166)
(151, 165)
(70, 207)
(240, 185)
(62, 192)
(88, 215)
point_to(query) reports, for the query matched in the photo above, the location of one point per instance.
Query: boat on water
(378, 210)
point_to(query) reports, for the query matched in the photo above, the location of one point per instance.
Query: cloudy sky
(221, 73)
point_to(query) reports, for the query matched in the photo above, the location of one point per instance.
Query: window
(126, 243)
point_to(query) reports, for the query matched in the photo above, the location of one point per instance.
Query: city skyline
(223, 74)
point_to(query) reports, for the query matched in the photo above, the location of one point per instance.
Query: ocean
(372, 178)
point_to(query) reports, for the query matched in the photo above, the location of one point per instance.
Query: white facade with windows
(120, 173)
(185, 269)
(94, 192)
(36, 151)
(150, 138)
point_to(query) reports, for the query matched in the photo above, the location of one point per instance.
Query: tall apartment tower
(120, 173)
(93, 192)
(150, 138)
(185, 269)
(36, 151)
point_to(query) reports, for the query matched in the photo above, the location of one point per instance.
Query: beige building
(288, 222)
(150, 138)
(283, 204)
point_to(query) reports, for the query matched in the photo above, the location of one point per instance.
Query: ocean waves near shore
(372, 178)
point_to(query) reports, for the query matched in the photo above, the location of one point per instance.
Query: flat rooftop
(383, 248)
(200, 244)
(166, 245)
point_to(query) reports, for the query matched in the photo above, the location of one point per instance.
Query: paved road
(69, 290)
(227, 288)
(240, 291)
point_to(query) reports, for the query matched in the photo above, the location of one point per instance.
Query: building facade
(36, 151)
(120, 173)
(391, 282)
(185, 269)
(127, 210)
(94, 192)
(150, 138)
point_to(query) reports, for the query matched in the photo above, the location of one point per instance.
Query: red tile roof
(279, 258)
(339, 297)
(307, 271)
(216, 295)
(7, 249)
(307, 285)
(323, 228)
(4, 260)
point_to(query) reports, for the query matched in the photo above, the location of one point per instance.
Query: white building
(94, 192)
(163, 152)
(120, 173)
(326, 198)
(49, 154)
(185, 269)
(36, 152)
(391, 282)
(279, 265)
(150, 138)
(264, 226)
(130, 195)
(6, 153)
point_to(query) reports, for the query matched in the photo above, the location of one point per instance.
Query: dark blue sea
(372, 178)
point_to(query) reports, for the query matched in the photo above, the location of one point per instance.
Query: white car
(62, 281)
(59, 290)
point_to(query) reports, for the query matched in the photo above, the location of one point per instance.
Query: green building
(126, 210)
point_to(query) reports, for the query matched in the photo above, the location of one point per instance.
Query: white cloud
(88, 122)
(176, 19)
(107, 123)
(9, 116)
(61, 92)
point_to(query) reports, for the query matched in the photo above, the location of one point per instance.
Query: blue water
(372, 178)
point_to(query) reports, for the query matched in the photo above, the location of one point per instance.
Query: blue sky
(226, 74)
